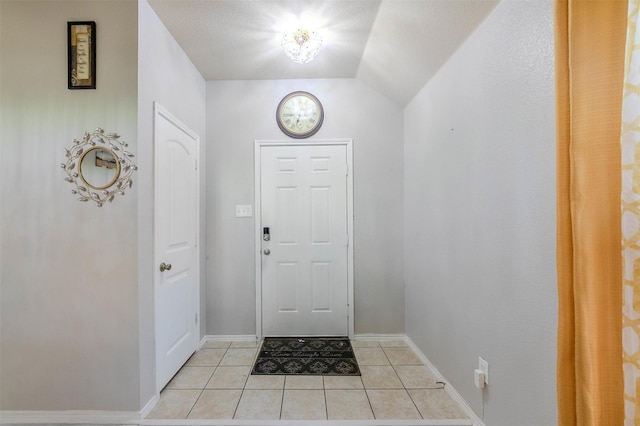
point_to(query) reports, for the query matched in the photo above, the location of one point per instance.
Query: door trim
(159, 110)
(348, 143)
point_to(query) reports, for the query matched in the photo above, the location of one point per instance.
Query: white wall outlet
(484, 367)
(244, 211)
(478, 378)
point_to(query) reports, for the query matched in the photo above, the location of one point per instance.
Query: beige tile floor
(216, 384)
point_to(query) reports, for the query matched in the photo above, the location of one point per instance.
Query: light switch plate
(244, 210)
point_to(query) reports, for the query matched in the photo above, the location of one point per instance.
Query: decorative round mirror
(99, 166)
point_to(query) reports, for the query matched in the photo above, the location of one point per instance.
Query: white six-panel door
(176, 231)
(304, 263)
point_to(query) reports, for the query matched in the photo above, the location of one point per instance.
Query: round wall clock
(299, 114)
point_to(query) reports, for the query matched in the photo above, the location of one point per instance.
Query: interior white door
(304, 262)
(176, 245)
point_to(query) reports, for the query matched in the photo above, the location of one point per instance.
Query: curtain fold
(630, 147)
(589, 49)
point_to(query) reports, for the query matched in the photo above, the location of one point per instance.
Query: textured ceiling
(395, 46)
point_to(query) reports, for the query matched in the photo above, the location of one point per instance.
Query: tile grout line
(244, 387)
(404, 387)
(403, 384)
(369, 401)
(324, 393)
(366, 391)
(415, 405)
(215, 367)
(282, 398)
(199, 396)
(364, 387)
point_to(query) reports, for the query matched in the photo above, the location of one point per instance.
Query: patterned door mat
(329, 356)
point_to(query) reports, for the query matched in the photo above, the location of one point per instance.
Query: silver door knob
(267, 252)
(165, 267)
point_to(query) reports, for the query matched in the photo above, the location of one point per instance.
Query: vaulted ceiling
(394, 46)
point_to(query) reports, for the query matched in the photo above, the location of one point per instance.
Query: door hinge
(196, 164)
(196, 318)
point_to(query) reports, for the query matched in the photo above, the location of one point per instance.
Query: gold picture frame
(81, 48)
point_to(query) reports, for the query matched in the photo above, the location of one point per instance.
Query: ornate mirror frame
(124, 167)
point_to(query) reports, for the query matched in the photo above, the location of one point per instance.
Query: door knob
(165, 267)
(267, 252)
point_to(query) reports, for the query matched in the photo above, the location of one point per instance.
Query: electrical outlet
(484, 367)
(244, 211)
(478, 378)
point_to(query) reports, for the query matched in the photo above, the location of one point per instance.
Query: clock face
(299, 114)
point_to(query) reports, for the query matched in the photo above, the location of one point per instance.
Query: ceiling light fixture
(301, 45)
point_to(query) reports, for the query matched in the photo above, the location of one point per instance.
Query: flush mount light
(301, 45)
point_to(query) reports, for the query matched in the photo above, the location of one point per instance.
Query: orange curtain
(590, 51)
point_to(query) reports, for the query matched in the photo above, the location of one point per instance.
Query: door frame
(259, 144)
(159, 110)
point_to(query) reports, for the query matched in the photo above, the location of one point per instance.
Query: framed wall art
(81, 45)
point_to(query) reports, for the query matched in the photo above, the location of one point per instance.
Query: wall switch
(244, 211)
(484, 367)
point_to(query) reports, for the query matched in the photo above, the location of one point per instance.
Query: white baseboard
(71, 417)
(373, 336)
(230, 338)
(149, 406)
(252, 337)
(85, 417)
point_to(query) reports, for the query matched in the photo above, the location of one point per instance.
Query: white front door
(304, 261)
(176, 245)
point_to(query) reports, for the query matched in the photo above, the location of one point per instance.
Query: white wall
(69, 290)
(77, 290)
(480, 216)
(167, 76)
(240, 112)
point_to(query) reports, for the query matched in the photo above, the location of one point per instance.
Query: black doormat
(329, 356)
